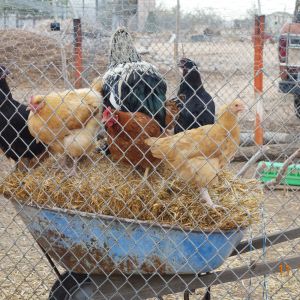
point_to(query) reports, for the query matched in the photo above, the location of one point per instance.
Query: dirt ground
(226, 68)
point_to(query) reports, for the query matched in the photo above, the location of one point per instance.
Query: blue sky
(232, 8)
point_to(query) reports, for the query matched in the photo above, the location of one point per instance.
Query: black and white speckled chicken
(131, 84)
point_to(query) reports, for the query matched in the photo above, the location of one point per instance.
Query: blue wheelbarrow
(113, 258)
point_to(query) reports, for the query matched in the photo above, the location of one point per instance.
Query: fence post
(17, 20)
(176, 41)
(77, 52)
(97, 9)
(258, 76)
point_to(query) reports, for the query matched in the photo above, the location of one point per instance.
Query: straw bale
(109, 188)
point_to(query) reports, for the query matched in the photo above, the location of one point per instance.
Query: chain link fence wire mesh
(106, 190)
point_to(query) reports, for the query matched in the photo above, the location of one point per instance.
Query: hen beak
(241, 108)
(180, 64)
(104, 118)
(32, 108)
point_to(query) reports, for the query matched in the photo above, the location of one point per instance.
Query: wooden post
(77, 52)
(258, 76)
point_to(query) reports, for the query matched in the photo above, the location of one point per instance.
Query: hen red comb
(106, 114)
(107, 111)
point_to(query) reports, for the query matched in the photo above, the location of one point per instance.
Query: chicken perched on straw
(131, 84)
(198, 107)
(67, 122)
(126, 138)
(197, 155)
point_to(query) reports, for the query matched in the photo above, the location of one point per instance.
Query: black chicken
(198, 108)
(131, 84)
(15, 139)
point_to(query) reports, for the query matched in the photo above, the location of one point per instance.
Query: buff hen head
(36, 103)
(236, 107)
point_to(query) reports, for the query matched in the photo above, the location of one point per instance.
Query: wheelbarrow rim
(126, 220)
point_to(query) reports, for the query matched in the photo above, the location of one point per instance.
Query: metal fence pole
(176, 41)
(258, 76)
(77, 52)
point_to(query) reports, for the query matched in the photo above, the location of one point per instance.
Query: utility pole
(97, 8)
(176, 41)
(296, 11)
(259, 7)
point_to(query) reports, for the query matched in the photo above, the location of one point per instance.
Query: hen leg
(69, 168)
(62, 166)
(23, 164)
(73, 169)
(60, 163)
(206, 197)
(145, 178)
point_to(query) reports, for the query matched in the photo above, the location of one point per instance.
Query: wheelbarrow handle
(266, 240)
(51, 262)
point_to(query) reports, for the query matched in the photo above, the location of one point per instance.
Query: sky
(232, 8)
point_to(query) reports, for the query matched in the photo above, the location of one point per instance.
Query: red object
(258, 75)
(77, 52)
(288, 30)
(109, 118)
(282, 49)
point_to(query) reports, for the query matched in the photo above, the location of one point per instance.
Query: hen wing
(63, 112)
(81, 105)
(201, 141)
(81, 141)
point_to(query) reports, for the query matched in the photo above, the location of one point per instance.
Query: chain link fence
(148, 152)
